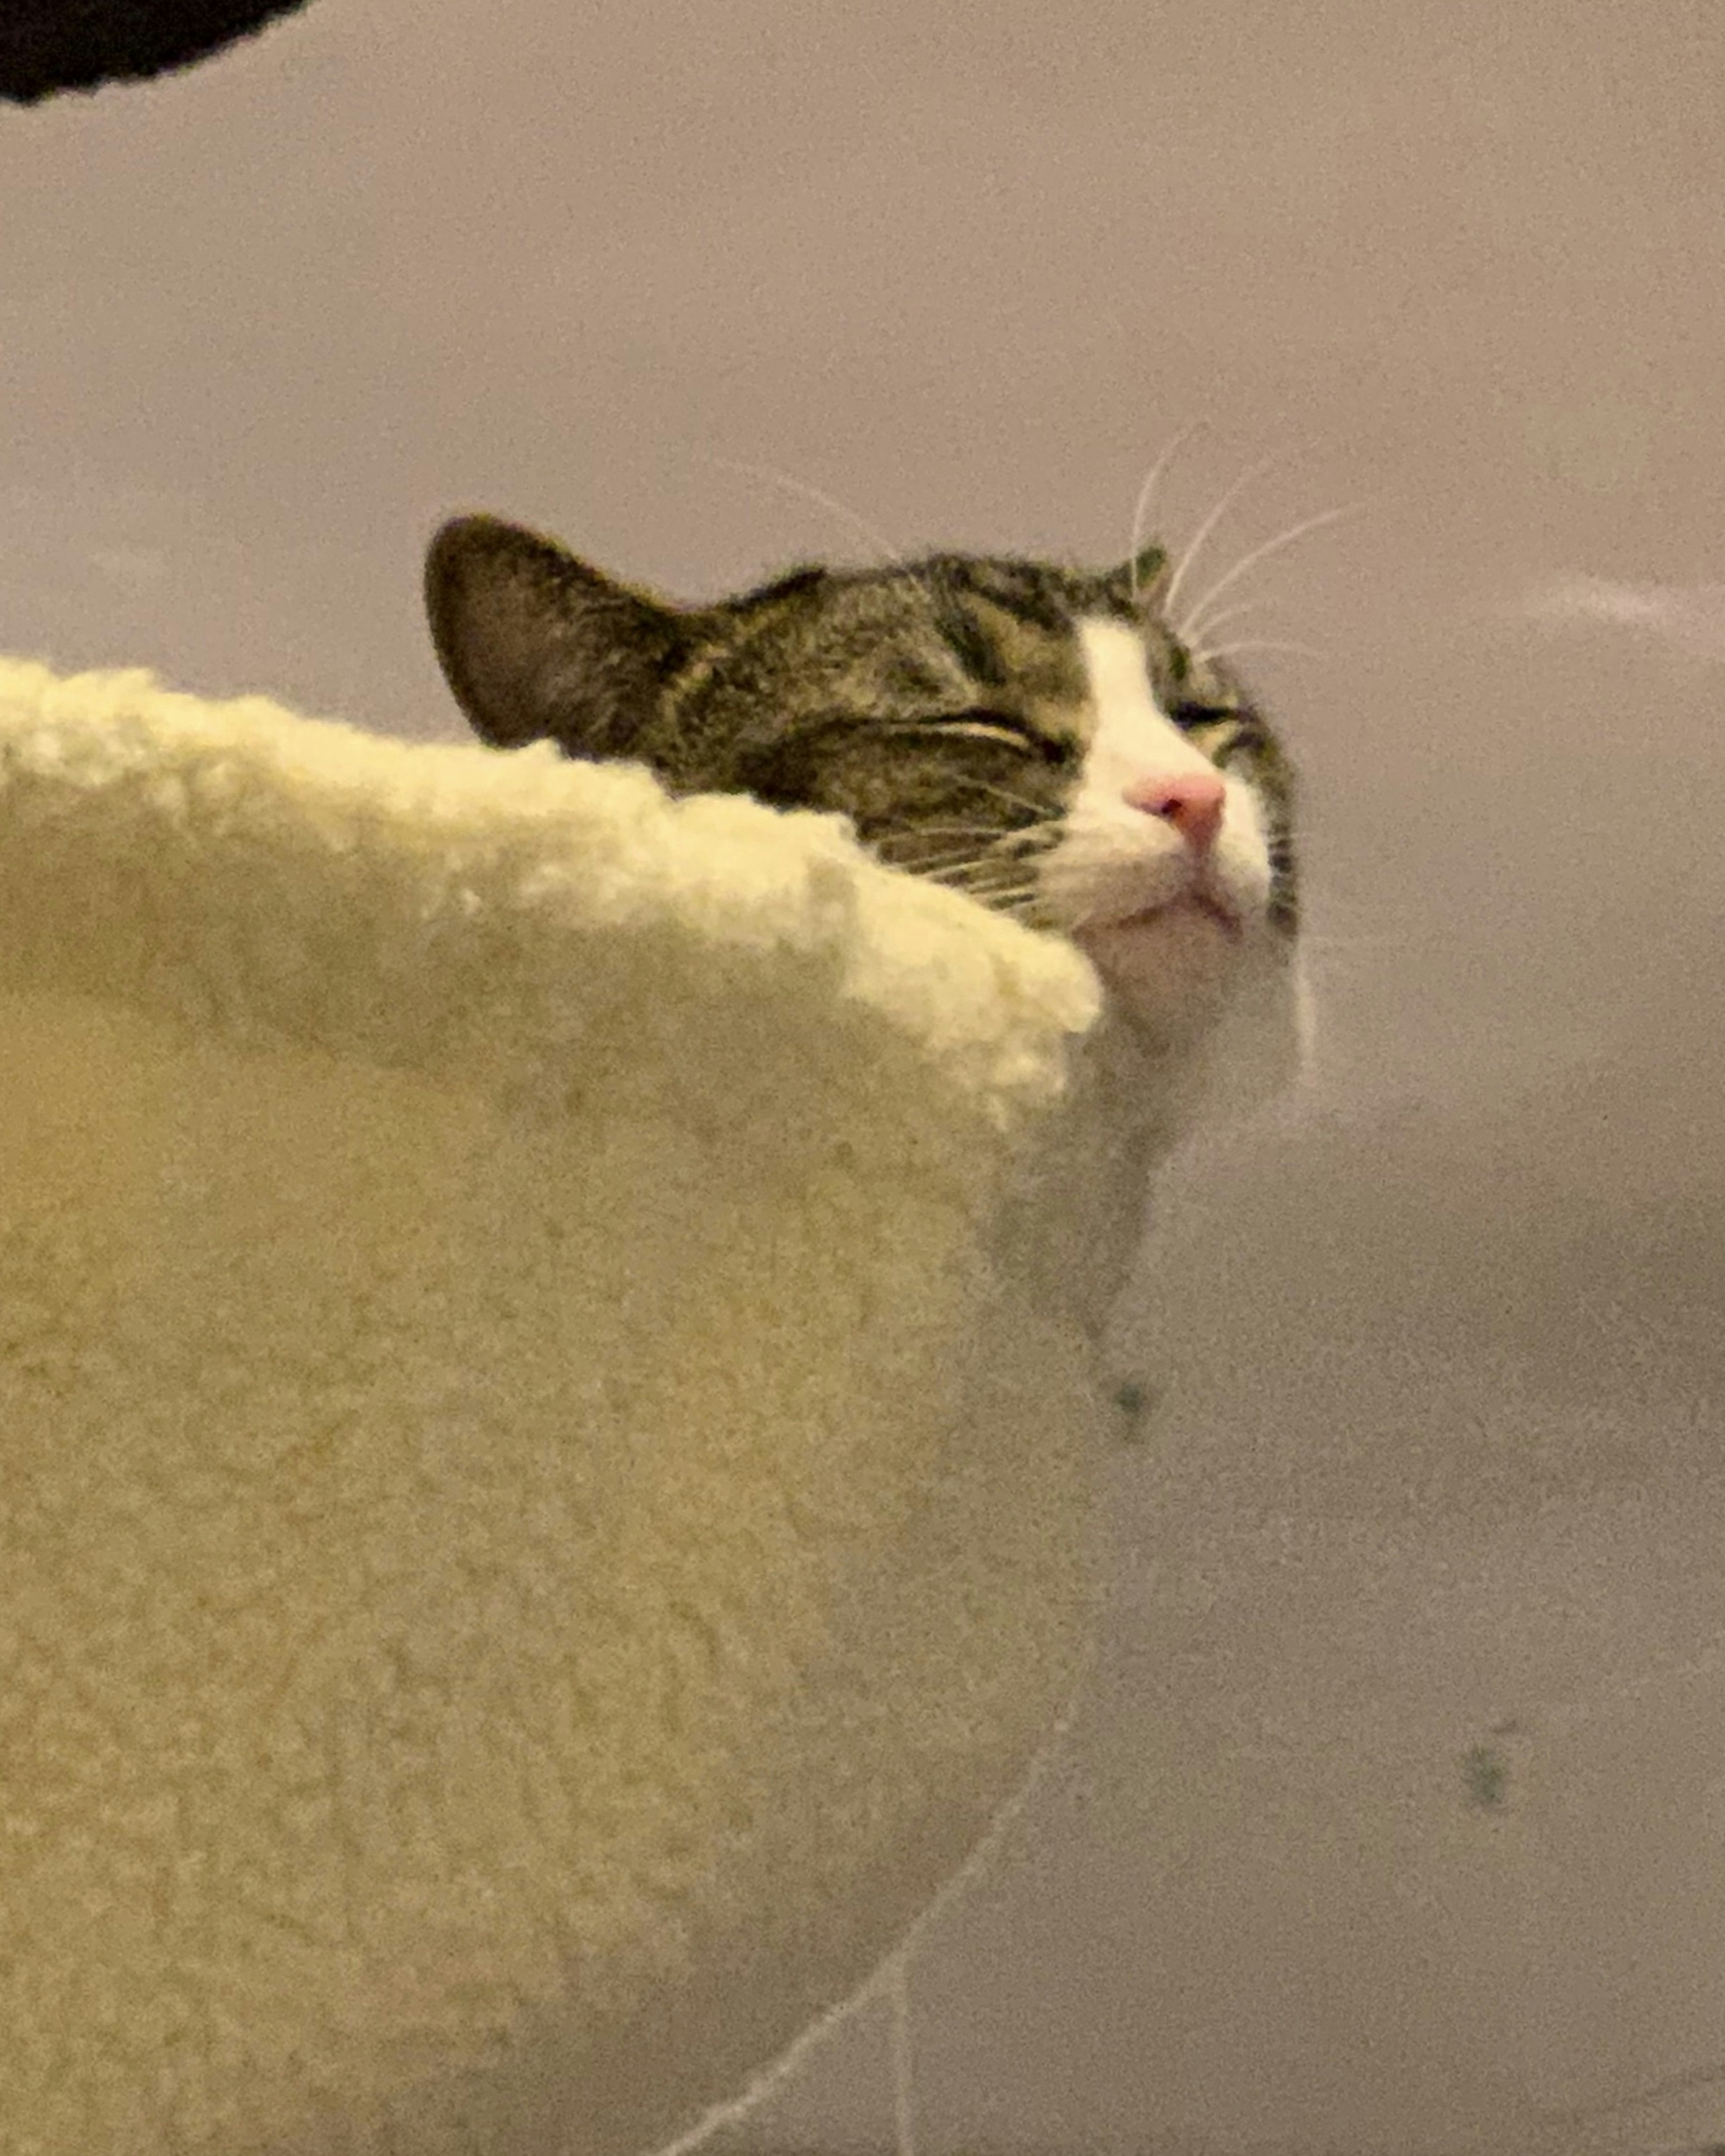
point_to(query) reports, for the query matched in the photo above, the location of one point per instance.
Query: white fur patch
(1115, 860)
(1182, 977)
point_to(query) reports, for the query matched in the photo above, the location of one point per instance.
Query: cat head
(1034, 735)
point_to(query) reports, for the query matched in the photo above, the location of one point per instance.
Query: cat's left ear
(1140, 580)
(537, 645)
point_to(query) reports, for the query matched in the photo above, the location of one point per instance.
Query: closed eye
(995, 726)
(1219, 732)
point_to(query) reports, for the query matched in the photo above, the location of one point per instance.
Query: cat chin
(1232, 1015)
(1175, 971)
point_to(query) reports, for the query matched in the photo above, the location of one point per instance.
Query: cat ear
(1142, 580)
(537, 645)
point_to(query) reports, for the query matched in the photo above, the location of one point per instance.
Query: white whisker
(960, 880)
(1234, 613)
(1193, 623)
(986, 831)
(1210, 524)
(1262, 643)
(822, 500)
(1043, 814)
(948, 859)
(1147, 494)
(1312, 940)
(942, 871)
(972, 888)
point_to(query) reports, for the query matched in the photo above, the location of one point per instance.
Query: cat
(1039, 737)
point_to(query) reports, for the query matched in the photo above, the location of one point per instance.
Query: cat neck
(1074, 1225)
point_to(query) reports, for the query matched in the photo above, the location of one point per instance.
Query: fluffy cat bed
(544, 1458)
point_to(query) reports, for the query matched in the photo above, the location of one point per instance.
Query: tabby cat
(1039, 737)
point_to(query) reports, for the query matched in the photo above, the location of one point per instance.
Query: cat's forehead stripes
(941, 633)
(1034, 657)
(998, 633)
(1010, 624)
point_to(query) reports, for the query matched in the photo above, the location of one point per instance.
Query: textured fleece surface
(541, 1506)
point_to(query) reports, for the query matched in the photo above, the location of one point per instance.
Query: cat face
(1033, 735)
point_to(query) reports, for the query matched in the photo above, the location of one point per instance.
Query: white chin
(1175, 970)
(1190, 985)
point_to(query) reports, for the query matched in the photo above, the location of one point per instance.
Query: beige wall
(1442, 1445)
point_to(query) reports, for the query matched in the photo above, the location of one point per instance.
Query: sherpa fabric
(543, 1492)
(51, 45)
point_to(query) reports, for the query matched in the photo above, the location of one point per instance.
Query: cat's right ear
(539, 646)
(1141, 581)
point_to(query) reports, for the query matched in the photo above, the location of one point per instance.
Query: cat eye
(1221, 733)
(1000, 727)
(985, 725)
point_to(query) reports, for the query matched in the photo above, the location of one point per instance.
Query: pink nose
(1192, 801)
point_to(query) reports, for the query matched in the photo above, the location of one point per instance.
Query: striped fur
(976, 717)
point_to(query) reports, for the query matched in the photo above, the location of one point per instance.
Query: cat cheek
(1246, 880)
